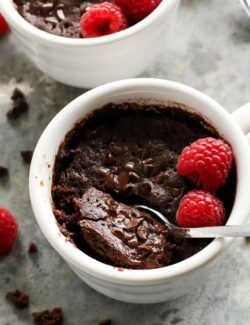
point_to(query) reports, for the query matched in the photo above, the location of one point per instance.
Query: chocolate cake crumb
(247, 240)
(18, 298)
(32, 248)
(20, 105)
(27, 156)
(105, 322)
(3, 171)
(17, 93)
(48, 317)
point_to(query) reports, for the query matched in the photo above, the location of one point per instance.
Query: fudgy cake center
(129, 151)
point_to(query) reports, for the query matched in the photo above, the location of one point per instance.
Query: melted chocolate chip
(142, 232)
(134, 177)
(129, 166)
(116, 150)
(123, 179)
(110, 159)
(143, 188)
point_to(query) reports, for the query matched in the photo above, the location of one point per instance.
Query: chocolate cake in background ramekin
(60, 18)
(121, 155)
(84, 19)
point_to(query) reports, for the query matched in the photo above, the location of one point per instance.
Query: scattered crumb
(48, 317)
(42, 183)
(27, 156)
(18, 298)
(3, 171)
(119, 269)
(247, 239)
(19, 106)
(105, 322)
(17, 93)
(32, 248)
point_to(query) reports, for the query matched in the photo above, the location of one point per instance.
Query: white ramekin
(88, 63)
(246, 6)
(139, 286)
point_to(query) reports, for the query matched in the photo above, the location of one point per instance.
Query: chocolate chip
(3, 171)
(110, 181)
(110, 159)
(20, 106)
(32, 248)
(18, 298)
(116, 150)
(147, 169)
(123, 213)
(27, 156)
(60, 6)
(47, 317)
(134, 223)
(129, 166)
(104, 171)
(143, 188)
(142, 232)
(45, 8)
(134, 177)
(132, 243)
(119, 234)
(123, 179)
(144, 249)
(160, 177)
(17, 93)
(129, 189)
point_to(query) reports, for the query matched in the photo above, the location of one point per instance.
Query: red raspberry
(4, 28)
(200, 208)
(206, 163)
(8, 231)
(136, 10)
(103, 19)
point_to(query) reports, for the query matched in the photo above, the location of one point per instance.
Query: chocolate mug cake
(122, 155)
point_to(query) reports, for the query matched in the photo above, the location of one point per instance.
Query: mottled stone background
(210, 50)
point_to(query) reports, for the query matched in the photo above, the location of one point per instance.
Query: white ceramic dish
(87, 63)
(139, 286)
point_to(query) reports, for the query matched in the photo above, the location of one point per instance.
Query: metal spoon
(204, 232)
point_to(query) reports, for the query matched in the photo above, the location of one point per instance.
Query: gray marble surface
(210, 50)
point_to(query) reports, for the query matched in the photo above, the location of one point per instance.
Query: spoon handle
(204, 232)
(217, 232)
